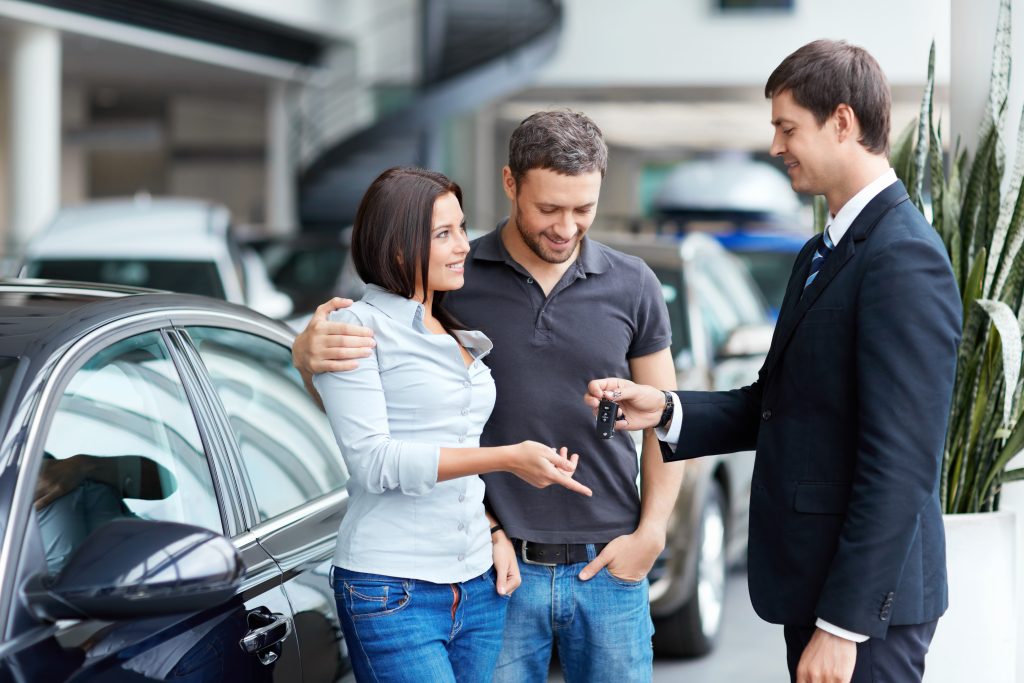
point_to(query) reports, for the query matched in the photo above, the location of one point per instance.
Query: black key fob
(606, 414)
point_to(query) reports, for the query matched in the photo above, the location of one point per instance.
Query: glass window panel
(286, 442)
(123, 444)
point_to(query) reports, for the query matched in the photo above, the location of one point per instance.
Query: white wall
(685, 43)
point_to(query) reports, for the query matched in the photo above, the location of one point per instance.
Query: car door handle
(276, 628)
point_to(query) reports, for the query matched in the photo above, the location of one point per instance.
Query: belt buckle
(522, 553)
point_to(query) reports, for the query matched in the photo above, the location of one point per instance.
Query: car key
(606, 413)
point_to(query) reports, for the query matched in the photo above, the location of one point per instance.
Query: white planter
(976, 640)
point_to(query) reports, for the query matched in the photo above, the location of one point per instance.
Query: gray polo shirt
(607, 309)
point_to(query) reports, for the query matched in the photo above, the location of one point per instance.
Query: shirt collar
(838, 225)
(394, 306)
(489, 247)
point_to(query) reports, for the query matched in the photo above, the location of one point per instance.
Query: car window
(771, 271)
(725, 296)
(286, 443)
(7, 368)
(187, 277)
(123, 444)
(671, 280)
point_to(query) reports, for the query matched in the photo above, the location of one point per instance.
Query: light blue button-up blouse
(391, 417)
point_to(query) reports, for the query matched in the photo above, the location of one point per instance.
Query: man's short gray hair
(566, 142)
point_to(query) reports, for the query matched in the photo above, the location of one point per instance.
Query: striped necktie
(825, 248)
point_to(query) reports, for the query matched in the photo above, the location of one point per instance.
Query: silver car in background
(720, 336)
(178, 245)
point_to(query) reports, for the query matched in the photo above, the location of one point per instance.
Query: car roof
(728, 183)
(37, 314)
(142, 227)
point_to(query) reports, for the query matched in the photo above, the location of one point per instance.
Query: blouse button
(465, 411)
(461, 557)
(467, 384)
(462, 437)
(461, 526)
(462, 499)
(529, 280)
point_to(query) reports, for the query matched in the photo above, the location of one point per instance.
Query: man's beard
(536, 243)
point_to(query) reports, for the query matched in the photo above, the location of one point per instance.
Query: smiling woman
(408, 420)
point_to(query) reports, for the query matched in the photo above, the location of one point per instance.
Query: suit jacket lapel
(797, 299)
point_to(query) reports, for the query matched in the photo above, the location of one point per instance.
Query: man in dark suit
(848, 415)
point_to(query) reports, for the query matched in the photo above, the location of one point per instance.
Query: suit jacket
(848, 418)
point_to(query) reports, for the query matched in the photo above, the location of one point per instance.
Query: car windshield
(771, 271)
(187, 277)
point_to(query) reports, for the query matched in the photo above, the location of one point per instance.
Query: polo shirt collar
(394, 306)
(489, 247)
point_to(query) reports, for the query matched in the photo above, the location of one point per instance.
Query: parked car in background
(748, 206)
(720, 335)
(193, 535)
(178, 245)
(769, 256)
(310, 267)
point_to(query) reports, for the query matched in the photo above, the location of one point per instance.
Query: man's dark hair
(566, 142)
(391, 233)
(826, 73)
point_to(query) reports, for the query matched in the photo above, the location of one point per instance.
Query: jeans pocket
(491, 578)
(625, 583)
(373, 598)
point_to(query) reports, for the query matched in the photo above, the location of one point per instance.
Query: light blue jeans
(405, 630)
(602, 626)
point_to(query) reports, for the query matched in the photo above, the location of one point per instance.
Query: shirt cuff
(841, 632)
(670, 435)
(417, 468)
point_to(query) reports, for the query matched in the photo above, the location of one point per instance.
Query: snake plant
(979, 213)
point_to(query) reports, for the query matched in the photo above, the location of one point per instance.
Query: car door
(123, 436)
(294, 474)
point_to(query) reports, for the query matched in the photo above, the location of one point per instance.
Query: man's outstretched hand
(641, 405)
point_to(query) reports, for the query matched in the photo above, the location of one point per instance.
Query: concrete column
(281, 210)
(74, 158)
(35, 132)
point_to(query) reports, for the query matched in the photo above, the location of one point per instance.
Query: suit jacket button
(766, 415)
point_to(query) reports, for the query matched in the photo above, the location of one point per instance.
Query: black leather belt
(553, 553)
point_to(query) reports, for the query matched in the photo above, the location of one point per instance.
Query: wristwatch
(666, 414)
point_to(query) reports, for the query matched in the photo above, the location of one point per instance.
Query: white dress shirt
(391, 416)
(837, 227)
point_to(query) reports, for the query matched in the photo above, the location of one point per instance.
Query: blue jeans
(602, 626)
(409, 630)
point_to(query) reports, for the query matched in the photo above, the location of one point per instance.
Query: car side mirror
(746, 341)
(134, 568)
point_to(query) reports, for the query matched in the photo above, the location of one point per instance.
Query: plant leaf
(1012, 475)
(923, 138)
(1005, 321)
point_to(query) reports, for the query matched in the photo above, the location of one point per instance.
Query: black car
(169, 493)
